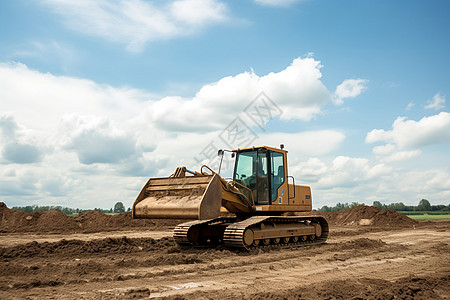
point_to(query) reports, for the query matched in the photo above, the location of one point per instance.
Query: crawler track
(254, 232)
(202, 232)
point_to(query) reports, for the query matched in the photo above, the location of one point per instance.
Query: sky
(98, 96)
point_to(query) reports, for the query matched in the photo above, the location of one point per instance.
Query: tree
(325, 208)
(378, 204)
(424, 204)
(119, 208)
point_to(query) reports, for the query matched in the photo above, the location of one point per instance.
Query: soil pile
(12, 220)
(371, 215)
(52, 221)
(366, 216)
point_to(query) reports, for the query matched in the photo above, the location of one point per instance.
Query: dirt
(15, 221)
(365, 216)
(387, 258)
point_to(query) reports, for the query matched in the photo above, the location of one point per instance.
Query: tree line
(424, 205)
(118, 208)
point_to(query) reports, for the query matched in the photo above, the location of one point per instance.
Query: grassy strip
(424, 212)
(427, 216)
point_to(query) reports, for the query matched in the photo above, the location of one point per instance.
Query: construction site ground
(370, 254)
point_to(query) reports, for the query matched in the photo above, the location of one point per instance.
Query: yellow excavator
(245, 212)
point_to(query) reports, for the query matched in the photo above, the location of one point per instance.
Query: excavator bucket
(190, 197)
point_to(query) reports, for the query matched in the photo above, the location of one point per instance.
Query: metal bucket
(191, 197)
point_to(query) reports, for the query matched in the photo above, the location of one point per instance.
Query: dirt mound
(371, 215)
(12, 220)
(53, 220)
(77, 247)
(365, 216)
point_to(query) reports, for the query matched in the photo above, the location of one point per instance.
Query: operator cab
(262, 171)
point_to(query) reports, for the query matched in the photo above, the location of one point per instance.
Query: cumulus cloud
(317, 142)
(297, 90)
(21, 153)
(98, 141)
(40, 99)
(349, 88)
(349, 179)
(137, 22)
(17, 144)
(437, 103)
(8, 125)
(410, 134)
(343, 172)
(390, 153)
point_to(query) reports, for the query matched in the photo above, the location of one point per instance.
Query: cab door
(252, 172)
(277, 178)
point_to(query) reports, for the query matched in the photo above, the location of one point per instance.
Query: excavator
(253, 209)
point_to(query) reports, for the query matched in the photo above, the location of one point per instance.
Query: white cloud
(390, 153)
(402, 155)
(97, 140)
(349, 88)
(409, 134)
(42, 98)
(305, 143)
(384, 149)
(18, 145)
(137, 22)
(347, 179)
(410, 105)
(199, 12)
(437, 103)
(297, 90)
(344, 172)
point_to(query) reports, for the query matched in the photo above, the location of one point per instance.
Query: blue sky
(97, 96)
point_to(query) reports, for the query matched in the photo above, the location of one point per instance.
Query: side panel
(302, 195)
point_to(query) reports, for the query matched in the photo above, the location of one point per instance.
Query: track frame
(254, 232)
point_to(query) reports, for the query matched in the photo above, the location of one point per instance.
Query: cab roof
(259, 147)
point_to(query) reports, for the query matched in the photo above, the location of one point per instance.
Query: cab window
(277, 173)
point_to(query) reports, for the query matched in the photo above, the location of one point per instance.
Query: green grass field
(426, 216)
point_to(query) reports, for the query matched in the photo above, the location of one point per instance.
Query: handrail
(201, 170)
(293, 184)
